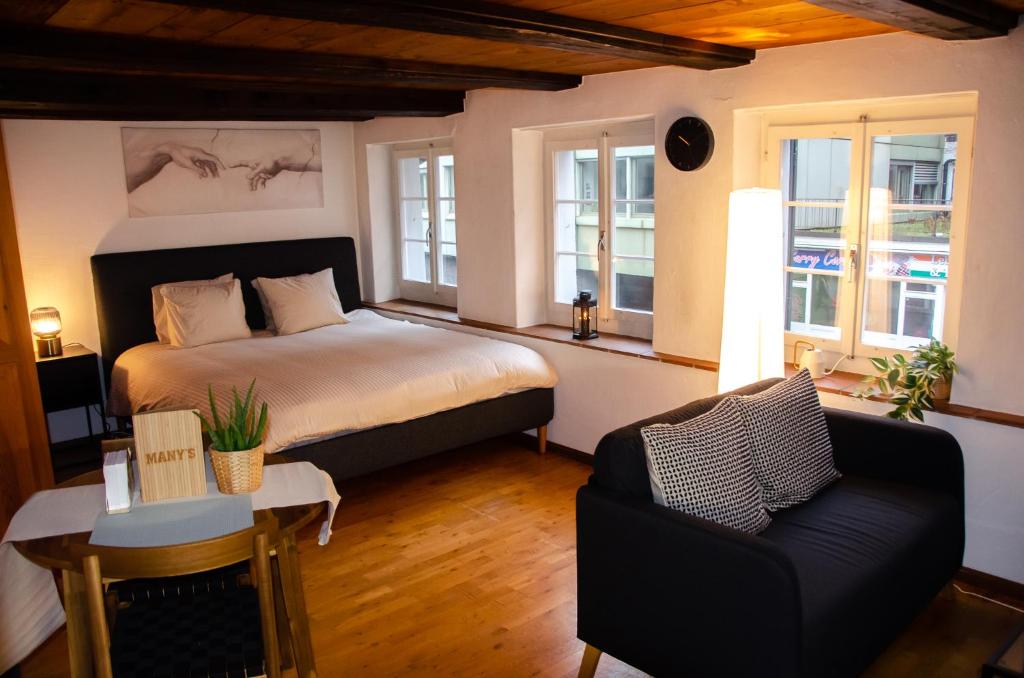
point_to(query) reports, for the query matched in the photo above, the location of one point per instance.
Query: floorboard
(464, 565)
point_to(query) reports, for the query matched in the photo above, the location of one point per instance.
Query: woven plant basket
(238, 472)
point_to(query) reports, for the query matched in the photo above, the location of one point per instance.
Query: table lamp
(46, 326)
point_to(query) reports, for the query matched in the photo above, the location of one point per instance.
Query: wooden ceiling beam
(81, 51)
(30, 12)
(500, 23)
(34, 94)
(946, 19)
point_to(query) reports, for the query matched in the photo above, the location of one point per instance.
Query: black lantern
(584, 316)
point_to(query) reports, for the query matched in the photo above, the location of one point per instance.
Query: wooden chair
(116, 563)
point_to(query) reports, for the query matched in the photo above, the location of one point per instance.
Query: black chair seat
(188, 627)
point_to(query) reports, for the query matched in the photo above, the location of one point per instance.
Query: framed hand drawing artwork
(198, 171)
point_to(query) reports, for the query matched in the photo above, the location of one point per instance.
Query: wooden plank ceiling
(299, 59)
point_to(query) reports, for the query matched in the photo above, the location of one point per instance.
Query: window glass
(416, 261)
(576, 223)
(446, 220)
(815, 182)
(412, 176)
(909, 221)
(632, 280)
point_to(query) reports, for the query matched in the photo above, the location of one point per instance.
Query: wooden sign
(169, 449)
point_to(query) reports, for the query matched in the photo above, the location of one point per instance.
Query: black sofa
(820, 592)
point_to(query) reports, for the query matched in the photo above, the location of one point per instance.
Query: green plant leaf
(213, 409)
(261, 425)
(881, 364)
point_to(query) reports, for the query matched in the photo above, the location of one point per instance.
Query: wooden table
(290, 602)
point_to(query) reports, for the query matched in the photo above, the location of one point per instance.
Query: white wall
(993, 478)
(598, 392)
(691, 217)
(70, 203)
(691, 211)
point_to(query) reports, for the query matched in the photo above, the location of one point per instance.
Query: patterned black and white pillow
(789, 440)
(703, 467)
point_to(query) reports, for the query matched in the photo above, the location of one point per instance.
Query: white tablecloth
(30, 609)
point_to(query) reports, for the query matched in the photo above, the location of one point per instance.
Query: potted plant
(937, 362)
(913, 385)
(236, 443)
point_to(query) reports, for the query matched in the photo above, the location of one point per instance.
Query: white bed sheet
(328, 381)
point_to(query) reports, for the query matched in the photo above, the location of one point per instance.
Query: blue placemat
(174, 522)
(167, 523)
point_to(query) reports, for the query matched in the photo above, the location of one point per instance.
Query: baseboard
(563, 450)
(991, 585)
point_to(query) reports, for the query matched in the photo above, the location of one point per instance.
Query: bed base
(359, 453)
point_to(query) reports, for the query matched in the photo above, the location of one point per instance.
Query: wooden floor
(464, 565)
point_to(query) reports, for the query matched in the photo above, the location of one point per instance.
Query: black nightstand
(71, 380)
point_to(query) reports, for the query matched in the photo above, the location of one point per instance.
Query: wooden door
(24, 449)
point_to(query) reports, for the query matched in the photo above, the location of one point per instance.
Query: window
(874, 225)
(602, 229)
(426, 219)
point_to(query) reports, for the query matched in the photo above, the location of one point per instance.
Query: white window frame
(634, 323)
(435, 291)
(852, 291)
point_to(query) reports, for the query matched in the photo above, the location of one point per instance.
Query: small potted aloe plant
(236, 442)
(913, 385)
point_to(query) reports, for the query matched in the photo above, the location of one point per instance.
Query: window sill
(846, 383)
(609, 343)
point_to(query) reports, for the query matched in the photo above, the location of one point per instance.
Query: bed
(431, 389)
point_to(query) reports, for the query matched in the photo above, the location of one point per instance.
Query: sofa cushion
(619, 462)
(869, 555)
(703, 467)
(789, 440)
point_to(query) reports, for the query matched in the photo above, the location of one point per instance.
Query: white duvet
(342, 378)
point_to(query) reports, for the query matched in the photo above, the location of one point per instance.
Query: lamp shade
(752, 318)
(46, 326)
(45, 322)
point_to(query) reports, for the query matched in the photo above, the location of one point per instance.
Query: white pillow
(266, 307)
(160, 318)
(704, 467)
(789, 441)
(302, 302)
(206, 314)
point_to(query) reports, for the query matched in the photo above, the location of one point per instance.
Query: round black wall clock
(689, 144)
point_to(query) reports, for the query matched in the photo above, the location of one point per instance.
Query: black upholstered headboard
(123, 280)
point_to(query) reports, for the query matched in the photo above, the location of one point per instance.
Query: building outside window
(871, 214)
(425, 189)
(602, 229)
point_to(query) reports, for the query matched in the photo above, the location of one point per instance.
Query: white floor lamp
(752, 320)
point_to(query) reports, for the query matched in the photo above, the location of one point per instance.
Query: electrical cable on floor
(978, 595)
